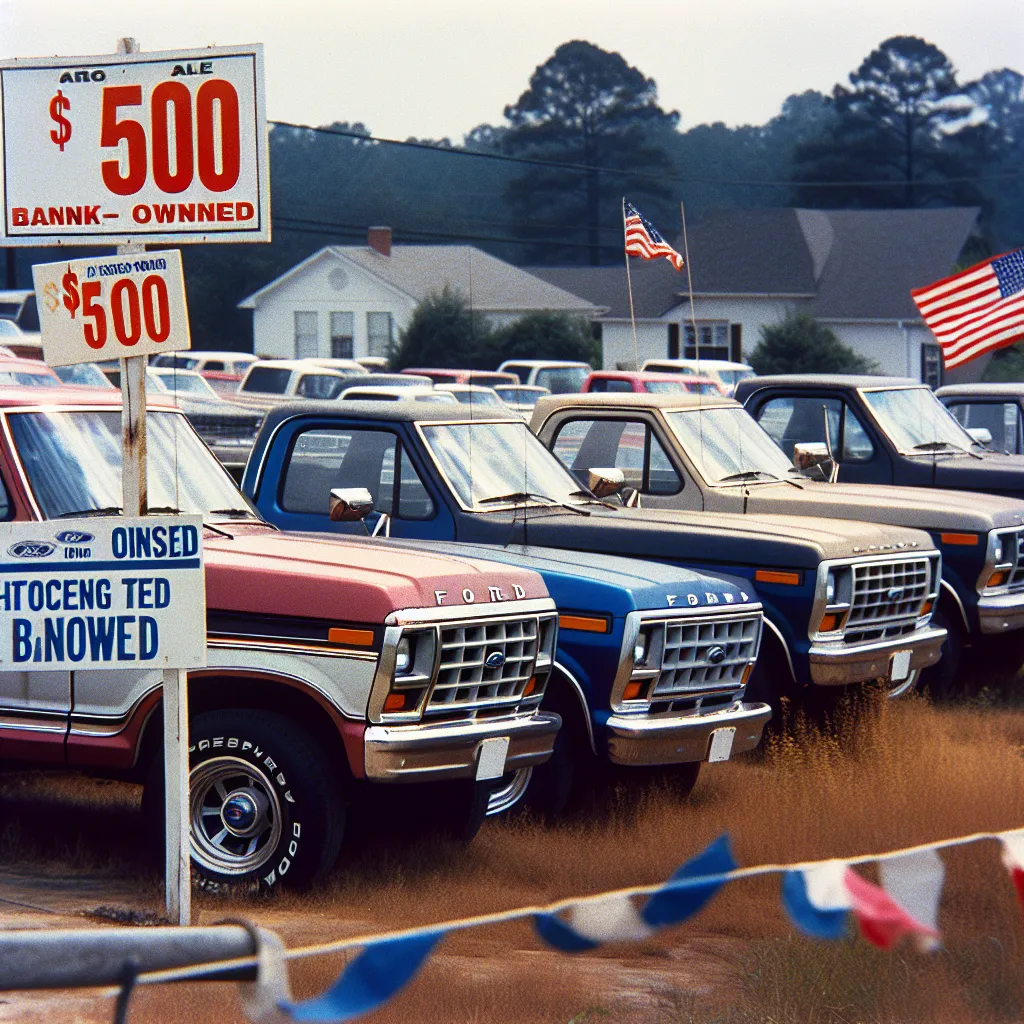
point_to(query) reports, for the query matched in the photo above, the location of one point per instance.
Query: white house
(851, 269)
(351, 301)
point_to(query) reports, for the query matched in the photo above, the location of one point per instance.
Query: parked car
(224, 370)
(697, 452)
(521, 398)
(18, 305)
(652, 659)
(993, 408)
(884, 430)
(485, 378)
(487, 479)
(27, 373)
(725, 373)
(229, 429)
(347, 366)
(385, 394)
(85, 375)
(642, 382)
(271, 381)
(474, 395)
(373, 364)
(340, 671)
(559, 376)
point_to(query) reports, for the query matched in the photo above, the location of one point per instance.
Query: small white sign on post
(111, 307)
(103, 592)
(148, 147)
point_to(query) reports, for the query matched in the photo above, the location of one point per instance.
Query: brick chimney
(379, 239)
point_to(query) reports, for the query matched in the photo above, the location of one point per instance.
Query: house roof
(417, 270)
(838, 264)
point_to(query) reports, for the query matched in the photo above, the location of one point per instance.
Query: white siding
(895, 349)
(617, 343)
(313, 290)
(750, 313)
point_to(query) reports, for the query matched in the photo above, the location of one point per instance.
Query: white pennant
(610, 919)
(915, 881)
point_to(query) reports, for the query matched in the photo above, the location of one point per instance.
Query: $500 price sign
(111, 306)
(162, 146)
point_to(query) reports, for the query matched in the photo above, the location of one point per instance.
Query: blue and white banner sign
(104, 592)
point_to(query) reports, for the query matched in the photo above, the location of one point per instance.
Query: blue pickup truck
(844, 603)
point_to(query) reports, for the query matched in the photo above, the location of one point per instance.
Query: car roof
(1002, 389)
(688, 378)
(842, 380)
(295, 364)
(21, 365)
(220, 354)
(634, 400)
(174, 371)
(553, 363)
(713, 364)
(65, 395)
(454, 386)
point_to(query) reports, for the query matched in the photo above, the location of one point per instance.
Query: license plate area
(899, 666)
(721, 744)
(490, 758)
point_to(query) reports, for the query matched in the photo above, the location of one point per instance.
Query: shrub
(799, 344)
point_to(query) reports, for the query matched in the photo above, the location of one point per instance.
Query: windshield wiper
(232, 513)
(938, 446)
(109, 510)
(516, 497)
(749, 474)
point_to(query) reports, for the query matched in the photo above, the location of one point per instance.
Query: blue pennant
(819, 924)
(379, 971)
(555, 932)
(673, 906)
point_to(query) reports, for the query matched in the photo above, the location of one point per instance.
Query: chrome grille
(238, 427)
(1017, 557)
(465, 681)
(887, 598)
(688, 663)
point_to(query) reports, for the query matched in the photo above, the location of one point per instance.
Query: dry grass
(911, 774)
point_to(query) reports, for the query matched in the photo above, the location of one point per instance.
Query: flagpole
(689, 282)
(629, 286)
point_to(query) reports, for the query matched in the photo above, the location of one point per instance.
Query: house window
(306, 330)
(714, 340)
(342, 332)
(379, 333)
(931, 365)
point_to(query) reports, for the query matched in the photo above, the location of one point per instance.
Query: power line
(644, 175)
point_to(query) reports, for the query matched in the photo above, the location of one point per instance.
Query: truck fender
(572, 685)
(949, 601)
(774, 631)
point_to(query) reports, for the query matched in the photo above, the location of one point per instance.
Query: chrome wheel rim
(235, 816)
(510, 793)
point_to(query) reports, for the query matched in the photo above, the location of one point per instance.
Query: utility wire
(643, 175)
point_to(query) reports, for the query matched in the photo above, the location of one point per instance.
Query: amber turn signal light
(531, 687)
(965, 540)
(584, 623)
(355, 637)
(746, 675)
(927, 607)
(632, 691)
(829, 622)
(791, 579)
(394, 702)
(997, 579)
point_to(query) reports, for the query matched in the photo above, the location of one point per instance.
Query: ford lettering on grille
(31, 549)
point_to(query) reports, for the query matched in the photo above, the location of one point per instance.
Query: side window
(322, 459)
(318, 386)
(857, 446)
(628, 445)
(619, 386)
(213, 364)
(1000, 419)
(797, 420)
(599, 386)
(413, 500)
(5, 503)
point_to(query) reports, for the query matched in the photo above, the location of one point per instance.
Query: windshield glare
(724, 442)
(486, 460)
(73, 463)
(916, 421)
(192, 384)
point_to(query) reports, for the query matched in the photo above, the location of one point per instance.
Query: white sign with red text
(110, 307)
(153, 147)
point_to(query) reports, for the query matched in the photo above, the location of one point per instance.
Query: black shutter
(673, 341)
(736, 342)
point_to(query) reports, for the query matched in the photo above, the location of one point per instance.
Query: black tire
(271, 770)
(942, 681)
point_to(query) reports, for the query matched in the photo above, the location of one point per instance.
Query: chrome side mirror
(981, 434)
(349, 504)
(605, 482)
(812, 457)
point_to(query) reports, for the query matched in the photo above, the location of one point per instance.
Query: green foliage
(799, 344)
(547, 335)
(1005, 365)
(445, 332)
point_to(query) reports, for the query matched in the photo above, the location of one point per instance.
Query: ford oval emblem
(31, 549)
(74, 537)
(716, 655)
(496, 659)
(894, 593)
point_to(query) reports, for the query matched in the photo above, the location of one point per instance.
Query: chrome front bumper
(841, 664)
(1002, 613)
(636, 740)
(414, 753)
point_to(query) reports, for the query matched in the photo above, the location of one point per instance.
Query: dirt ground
(71, 856)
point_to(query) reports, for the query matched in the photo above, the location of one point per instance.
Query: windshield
(9, 329)
(487, 460)
(733, 377)
(73, 463)
(186, 383)
(87, 375)
(480, 398)
(563, 380)
(26, 378)
(723, 443)
(917, 422)
(665, 387)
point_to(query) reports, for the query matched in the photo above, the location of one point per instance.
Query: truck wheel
(265, 803)
(942, 680)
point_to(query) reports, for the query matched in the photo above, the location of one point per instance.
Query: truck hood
(261, 570)
(606, 584)
(997, 474)
(921, 507)
(701, 537)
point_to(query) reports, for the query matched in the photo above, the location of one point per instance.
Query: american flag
(977, 310)
(644, 240)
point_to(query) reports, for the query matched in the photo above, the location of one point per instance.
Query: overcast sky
(434, 68)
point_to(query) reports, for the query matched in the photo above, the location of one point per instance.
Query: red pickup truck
(334, 665)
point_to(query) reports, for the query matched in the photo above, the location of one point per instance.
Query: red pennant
(883, 922)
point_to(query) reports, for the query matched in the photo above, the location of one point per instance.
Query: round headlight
(403, 656)
(830, 588)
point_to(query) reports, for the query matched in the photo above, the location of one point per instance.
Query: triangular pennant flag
(883, 922)
(672, 906)
(555, 932)
(1013, 861)
(914, 881)
(379, 971)
(609, 919)
(817, 901)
